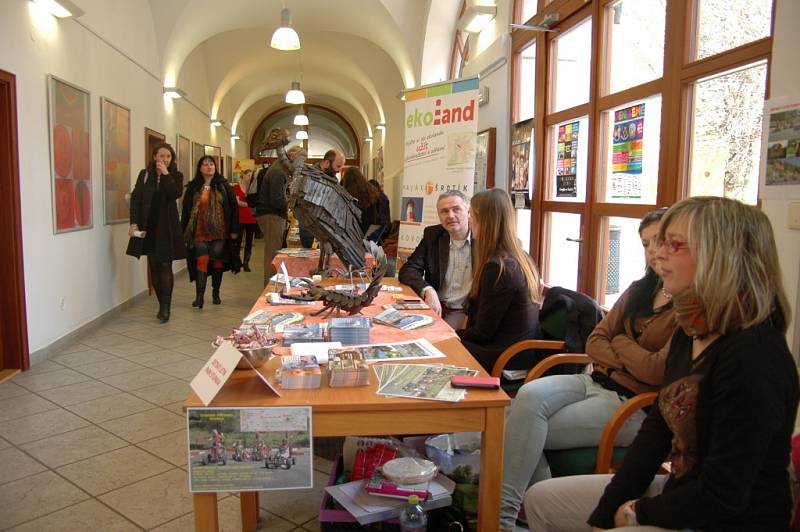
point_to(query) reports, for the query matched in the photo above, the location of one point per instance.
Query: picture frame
(115, 132)
(183, 148)
(485, 147)
(198, 150)
(216, 153)
(229, 167)
(69, 130)
(151, 138)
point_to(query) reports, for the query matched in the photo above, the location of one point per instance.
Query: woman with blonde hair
(726, 412)
(503, 305)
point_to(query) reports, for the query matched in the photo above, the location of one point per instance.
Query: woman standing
(210, 221)
(503, 306)
(357, 186)
(247, 221)
(725, 415)
(154, 229)
(628, 350)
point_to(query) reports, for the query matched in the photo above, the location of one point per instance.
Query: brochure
(421, 381)
(395, 318)
(420, 349)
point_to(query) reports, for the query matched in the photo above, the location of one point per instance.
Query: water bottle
(413, 518)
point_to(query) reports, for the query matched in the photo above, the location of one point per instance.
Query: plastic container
(413, 518)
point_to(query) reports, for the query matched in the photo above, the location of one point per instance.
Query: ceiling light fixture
(60, 8)
(295, 95)
(302, 135)
(174, 93)
(380, 126)
(235, 137)
(285, 38)
(301, 118)
(477, 14)
(216, 122)
(367, 139)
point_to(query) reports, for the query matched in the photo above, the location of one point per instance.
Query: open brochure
(420, 349)
(402, 320)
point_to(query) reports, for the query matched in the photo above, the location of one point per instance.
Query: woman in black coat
(210, 221)
(357, 186)
(154, 229)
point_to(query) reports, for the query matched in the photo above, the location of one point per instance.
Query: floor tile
(173, 340)
(183, 370)
(111, 407)
(152, 501)
(14, 464)
(159, 358)
(164, 393)
(123, 326)
(298, 506)
(83, 357)
(106, 368)
(130, 347)
(79, 393)
(88, 515)
(46, 366)
(176, 407)
(312, 526)
(4, 444)
(171, 447)
(197, 350)
(44, 381)
(105, 341)
(23, 405)
(114, 470)
(74, 348)
(147, 333)
(230, 520)
(34, 496)
(145, 425)
(9, 389)
(40, 426)
(73, 446)
(134, 380)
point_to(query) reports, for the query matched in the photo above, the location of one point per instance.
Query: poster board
(116, 159)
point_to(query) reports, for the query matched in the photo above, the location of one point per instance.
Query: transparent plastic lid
(409, 470)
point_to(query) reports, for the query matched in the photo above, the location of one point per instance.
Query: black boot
(246, 262)
(200, 287)
(163, 311)
(160, 314)
(216, 282)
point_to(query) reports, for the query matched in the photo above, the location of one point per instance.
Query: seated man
(440, 269)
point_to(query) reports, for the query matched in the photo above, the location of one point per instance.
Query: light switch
(794, 215)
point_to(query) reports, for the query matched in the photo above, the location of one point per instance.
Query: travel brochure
(421, 381)
(401, 320)
(420, 349)
(249, 449)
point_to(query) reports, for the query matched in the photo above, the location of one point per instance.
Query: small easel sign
(216, 372)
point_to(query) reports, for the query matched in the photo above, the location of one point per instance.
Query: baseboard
(6, 374)
(43, 354)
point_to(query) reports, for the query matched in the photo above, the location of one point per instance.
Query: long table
(359, 411)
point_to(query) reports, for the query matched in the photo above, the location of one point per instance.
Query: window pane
(636, 42)
(726, 24)
(572, 52)
(524, 228)
(622, 258)
(726, 133)
(562, 256)
(632, 142)
(568, 149)
(527, 81)
(528, 10)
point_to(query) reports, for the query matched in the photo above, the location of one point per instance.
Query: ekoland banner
(441, 130)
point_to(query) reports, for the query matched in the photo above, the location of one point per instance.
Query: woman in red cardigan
(247, 221)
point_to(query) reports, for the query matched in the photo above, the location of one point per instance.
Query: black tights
(162, 277)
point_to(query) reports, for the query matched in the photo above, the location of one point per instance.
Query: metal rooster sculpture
(322, 206)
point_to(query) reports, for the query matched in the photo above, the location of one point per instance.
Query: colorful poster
(249, 449)
(567, 160)
(780, 150)
(116, 133)
(521, 163)
(628, 134)
(239, 166)
(440, 147)
(70, 152)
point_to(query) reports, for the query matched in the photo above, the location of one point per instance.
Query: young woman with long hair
(357, 186)
(503, 305)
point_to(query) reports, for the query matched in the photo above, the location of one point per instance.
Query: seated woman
(503, 305)
(570, 411)
(725, 415)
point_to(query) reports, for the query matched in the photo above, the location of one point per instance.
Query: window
(726, 24)
(572, 55)
(623, 257)
(527, 10)
(563, 240)
(527, 83)
(636, 43)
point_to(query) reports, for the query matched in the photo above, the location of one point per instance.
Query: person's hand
(626, 514)
(131, 229)
(241, 203)
(432, 300)
(161, 168)
(234, 236)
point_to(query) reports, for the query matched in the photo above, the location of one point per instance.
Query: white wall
(785, 81)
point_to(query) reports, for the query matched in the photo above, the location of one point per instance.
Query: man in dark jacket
(440, 269)
(272, 209)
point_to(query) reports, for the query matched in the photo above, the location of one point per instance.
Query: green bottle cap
(413, 499)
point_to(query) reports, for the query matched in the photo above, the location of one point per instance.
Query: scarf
(213, 217)
(690, 313)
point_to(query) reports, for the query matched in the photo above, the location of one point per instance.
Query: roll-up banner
(441, 124)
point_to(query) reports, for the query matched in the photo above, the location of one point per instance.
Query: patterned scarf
(213, 220)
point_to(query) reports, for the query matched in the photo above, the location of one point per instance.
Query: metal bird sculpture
(322, 206)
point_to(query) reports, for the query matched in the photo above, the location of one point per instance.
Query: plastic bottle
(413, 518)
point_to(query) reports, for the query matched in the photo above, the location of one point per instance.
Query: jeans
(558, 412)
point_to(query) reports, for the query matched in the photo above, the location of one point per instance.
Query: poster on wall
(440, 143)
(780, 149)
(241, 165)
(70, 155)
(567, 160)
(249, 449)
(627, 152)
(522, 163)
(198, 150)
(116, 158)
(484, 160)
(183, 148)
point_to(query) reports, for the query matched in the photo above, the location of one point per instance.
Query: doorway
(14, 354)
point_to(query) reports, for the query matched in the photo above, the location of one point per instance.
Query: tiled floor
(94, 438)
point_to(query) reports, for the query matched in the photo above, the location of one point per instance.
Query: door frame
(14, 352)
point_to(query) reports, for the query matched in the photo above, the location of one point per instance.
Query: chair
(588, 460)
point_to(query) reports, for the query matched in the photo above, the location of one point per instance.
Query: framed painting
(198, 150)
(151, 138)
(484, 160)
(116, 148)
(216, 153)
(183, 148)
(229, 167)
(70, 155)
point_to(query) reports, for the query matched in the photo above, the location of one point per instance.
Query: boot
(163, 310)
(160, 314)
(216, 281)
(200, 287)
(246, 262)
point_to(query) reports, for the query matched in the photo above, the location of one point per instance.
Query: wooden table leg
(250, 512)
(206, 517)
(491, 470)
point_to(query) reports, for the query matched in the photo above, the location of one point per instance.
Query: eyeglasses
(673, 246)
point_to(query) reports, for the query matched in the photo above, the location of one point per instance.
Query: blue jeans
(558, 412)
